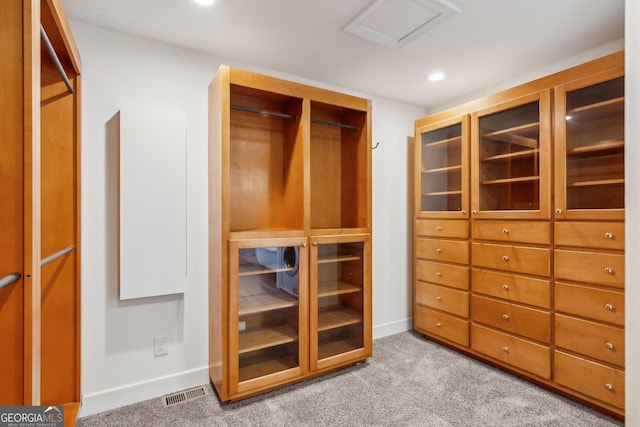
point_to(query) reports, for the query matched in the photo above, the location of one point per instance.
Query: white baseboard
(132, 393)
(392, 328)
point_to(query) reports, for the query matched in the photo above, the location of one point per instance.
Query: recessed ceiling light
(204, 2)
(436, 77)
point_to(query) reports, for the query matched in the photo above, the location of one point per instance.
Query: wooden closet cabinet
(290, 232)
(535, 282)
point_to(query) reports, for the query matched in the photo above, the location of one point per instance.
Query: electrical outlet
(160, 346)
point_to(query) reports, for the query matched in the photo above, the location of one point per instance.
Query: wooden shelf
(443, 170)
(337, 317)
(511, 156)
(596, 149)
(517, 180)
(344, 258)
(257, 296)
(443, 193)
(259, 339)
(596, 183)
(510, 135)
(326, 289)
(263, 365)
(255, 269)
(610, 107)
(332, 348)
(443, 143)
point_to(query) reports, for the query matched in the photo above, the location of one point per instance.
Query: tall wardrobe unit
(519, 231)
(289, 232)
(39, 207)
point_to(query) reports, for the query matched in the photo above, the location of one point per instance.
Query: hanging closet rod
(58, 254)
(7, 280)
(55, 59)
(267, 112)
(336, 124)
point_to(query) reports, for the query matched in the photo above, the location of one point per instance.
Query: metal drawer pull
(315, 243)
(304, 245)
(439, 250)
(438, 228)
(608, 270)
(608, 386)
(505, 231)
(438, 325)
(505, 349)
(558, 211)
(608, 235)
(439, 274)
(438, 298)
(505, 316)
(505, 287)
(505, 258)
(608, 307)
(609, 346)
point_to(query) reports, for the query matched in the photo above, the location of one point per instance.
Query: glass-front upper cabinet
(589, 169)
(340, 305)
(442, 169)
(268, 333)
(510, 159)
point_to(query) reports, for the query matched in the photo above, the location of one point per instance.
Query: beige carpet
(409, 381)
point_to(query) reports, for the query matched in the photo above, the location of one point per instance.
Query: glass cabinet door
(340, 300)
(590, 148)
(268, 302)
(442, 179)
(511, 159)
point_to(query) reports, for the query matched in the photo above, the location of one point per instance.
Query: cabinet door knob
(608, 235)
(474, 211)
(608, 386)
(609, 345)
(439, 250)
(304, 245)
(505, 258)
(608, 307)
(505, 231)
(438, 325)
(464, 211)
(558, 211)
(315, 243)
(505, 349)
(608, 270)
(438, 298)
(439, 274)
(505, 316)
(438, 228)
(505, 287)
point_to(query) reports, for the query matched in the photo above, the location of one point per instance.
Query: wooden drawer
(516, 319)
(584, 301)
(513, 231)
(590, 267)
(605, 343)
(443, 250)
(601, 235)
(441, 325)
(515, 259)
(590, 378)
(523, 354)
(512, 287)
(442, 228)
(456, 276)
(443, 298)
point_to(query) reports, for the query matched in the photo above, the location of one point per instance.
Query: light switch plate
(160, 346)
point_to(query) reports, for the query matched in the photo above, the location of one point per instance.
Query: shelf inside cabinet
(261, 365)
(511, 135)
(341, 258)
(443, 143)
(447, 169)
(609, 107)
(253, 269)
(507, 157)
(259, 339)
(326, 289)
(517, 180)
(595, 183)
(597, 149)
(337, 317)
(334, 347)
(257, 296)
(443, 193)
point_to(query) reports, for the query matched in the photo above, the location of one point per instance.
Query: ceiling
(486, 43)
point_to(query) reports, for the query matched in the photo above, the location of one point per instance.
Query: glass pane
(268, 311)
(340, 298)
(595, 146)
(442, 169)
(509, 150)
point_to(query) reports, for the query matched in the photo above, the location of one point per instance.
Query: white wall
(118, 366)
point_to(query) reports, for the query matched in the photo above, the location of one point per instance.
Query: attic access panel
(395, 23)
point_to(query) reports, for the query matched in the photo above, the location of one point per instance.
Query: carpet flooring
(409, 381)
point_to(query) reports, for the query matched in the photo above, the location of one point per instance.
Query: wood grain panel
(590, 267)
(605, 343)
(443, 298)
(602, 235)
(457, 229)
(512, 287)
(442, 325)
(534, 232)
(455, 276)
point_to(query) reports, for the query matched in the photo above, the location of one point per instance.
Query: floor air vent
(183, 396)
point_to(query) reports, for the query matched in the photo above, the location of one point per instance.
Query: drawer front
(516, 319)
(513, 231)
(590, 378)
(442, 228)
(590, 267)
(443, 298)
(441, 325)
(605, 343)
(512, 287)
(528, 356)
(455, 276)
(604, 235)
(443, 250)
(592, 303)
(514, 259)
